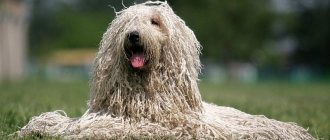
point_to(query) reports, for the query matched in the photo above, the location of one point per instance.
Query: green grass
(306, 104)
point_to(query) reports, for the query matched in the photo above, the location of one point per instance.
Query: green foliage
(68, 26)
(305, 104)
(311, 27)
(78, 30)
(228, 29)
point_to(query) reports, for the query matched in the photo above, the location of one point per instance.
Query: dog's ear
(183, 37)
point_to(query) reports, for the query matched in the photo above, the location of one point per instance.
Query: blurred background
(245, 41)
(267, 57)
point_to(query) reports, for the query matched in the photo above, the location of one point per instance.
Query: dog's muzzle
(135, 51)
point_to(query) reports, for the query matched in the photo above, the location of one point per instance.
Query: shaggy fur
(167, 86)
(146, 87)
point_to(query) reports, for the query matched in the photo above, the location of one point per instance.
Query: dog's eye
(154, 22)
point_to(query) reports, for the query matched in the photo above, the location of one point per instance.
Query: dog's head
(148, 37)
(147, 56)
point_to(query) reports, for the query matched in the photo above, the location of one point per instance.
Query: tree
(228, 29)
(66, 25)
(311, 28)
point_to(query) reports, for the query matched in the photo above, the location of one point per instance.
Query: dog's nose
(134, 37)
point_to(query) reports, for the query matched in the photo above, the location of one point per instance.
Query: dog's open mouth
(137, 57)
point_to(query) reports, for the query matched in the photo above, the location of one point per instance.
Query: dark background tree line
(244, 31)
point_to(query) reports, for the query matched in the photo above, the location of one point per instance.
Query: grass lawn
(306, 104)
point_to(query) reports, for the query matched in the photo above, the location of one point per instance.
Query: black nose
(134, 37)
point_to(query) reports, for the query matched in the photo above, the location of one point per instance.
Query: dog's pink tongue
(137, 60)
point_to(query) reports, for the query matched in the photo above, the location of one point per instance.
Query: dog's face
(148, 63)
(145, 37)
(148, 38)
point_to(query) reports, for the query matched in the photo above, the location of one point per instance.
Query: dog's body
(144, 84)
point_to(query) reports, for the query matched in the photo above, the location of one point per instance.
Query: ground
(304, 103)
